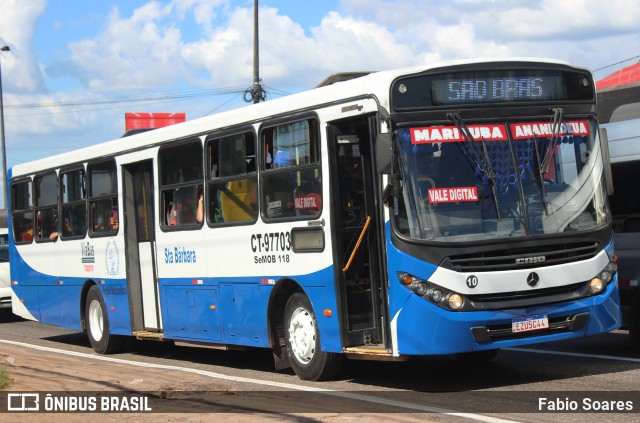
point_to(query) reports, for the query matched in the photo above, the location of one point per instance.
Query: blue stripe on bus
(218, 310)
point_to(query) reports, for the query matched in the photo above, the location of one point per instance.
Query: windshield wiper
(556, 136)
(540, 172)
(483, 162)
(545, 164)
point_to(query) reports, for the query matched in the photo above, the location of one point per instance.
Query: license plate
(529, 323)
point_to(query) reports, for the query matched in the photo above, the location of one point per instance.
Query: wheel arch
(280, 294)
(83, 302)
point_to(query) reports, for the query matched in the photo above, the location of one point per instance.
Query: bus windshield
(507, 179)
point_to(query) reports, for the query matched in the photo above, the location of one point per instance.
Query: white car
(5, 276)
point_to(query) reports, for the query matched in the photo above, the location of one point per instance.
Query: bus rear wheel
(97, 320)
(306, 357)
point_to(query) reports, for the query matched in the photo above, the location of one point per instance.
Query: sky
(76, 66)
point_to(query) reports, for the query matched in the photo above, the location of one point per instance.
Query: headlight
(421, 289)
(432, 292)
(455, 301)
(611, 267)
(436, 296)
(596, 285)
(600, 282)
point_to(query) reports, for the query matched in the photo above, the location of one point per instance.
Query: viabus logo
(531, 260)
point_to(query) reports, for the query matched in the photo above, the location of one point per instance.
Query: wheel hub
(302, 335)
(96, 320)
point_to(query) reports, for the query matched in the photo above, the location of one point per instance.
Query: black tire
(306, 357)
(477, 356)
(97, 321)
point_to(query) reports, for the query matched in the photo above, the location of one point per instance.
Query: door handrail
(355, 249)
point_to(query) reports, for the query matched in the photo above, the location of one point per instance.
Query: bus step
(143, 334)
(372, 352)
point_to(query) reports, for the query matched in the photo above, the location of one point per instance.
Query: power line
(617, 63)
(151, 98)
(222, 105)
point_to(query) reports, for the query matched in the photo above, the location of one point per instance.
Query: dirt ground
(32, 370)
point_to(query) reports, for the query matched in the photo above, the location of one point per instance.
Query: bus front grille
(517, 258)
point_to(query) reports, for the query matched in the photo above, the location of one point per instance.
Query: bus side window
(22, 212)
(181, 179)
(46, 187)
(232, 183)
(74, 209)
(103, 198)
(292, 181)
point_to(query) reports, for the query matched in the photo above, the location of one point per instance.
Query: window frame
(267, 140)
(29, 183)
(212, 180)
(164, 202)
(42, 208)
(74, 203)
(102, 197)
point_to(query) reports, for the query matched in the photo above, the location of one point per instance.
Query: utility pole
(2, 146)
(255, 93)
(257, 88)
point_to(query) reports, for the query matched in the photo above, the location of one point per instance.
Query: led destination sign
(492, 87)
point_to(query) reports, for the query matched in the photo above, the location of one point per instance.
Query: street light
(4, 151)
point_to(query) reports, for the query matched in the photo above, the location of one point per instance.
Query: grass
(4, 378)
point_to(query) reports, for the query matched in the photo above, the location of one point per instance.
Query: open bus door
(358, 246)
(140, 247)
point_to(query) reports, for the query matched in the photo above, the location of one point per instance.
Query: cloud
(457, 29)
(577, 20)
(288, 57)
(168, 45)
(17, 23)
(130, 53)
(149, 48)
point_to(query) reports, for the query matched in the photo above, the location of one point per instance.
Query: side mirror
(606, 160)
(383, 153)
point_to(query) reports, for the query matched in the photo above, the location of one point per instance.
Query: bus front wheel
(98, 324)
(306, 357)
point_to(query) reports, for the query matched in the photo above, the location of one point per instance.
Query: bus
(457, 208)
(5, 277)
(619, 113)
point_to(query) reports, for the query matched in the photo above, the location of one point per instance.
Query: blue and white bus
(619, 113)
(458, 208)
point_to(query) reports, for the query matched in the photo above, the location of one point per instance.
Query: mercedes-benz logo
(533, 279)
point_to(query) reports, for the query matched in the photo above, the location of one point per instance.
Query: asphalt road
(527, 384)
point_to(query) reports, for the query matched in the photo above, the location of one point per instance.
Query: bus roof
(374, 84)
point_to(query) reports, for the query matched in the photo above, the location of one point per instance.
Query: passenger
(114, 220)
(172, 215)
(200, 208)
(98, 225)
(28, 234)
(188, 211)
(67, 230)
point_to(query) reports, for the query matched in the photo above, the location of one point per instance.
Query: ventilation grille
(518, 258)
